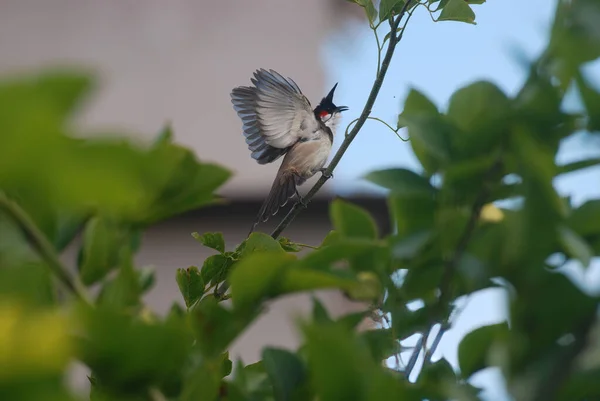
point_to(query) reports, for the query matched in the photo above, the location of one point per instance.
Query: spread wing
(275, 115)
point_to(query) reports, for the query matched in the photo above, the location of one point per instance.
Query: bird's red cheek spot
(323, 114)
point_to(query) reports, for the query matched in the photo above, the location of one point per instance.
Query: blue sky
(437, 59)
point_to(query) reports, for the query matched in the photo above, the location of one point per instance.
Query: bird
(278, 120)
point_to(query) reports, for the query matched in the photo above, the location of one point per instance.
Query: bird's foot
(300, 200)
(327, 175)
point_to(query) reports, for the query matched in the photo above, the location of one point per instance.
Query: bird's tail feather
(284, 187)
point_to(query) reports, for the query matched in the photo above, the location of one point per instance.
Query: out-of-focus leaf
(190, 284)
(331, 238)
(457, 10)
(183, 182)
(147, 278)
(102, 242)
(591, 100)
(352, 221)
(25, 355)
(401, 181)
(319, 313)
(474, 349)
(211, 240)
(481, 111)
(205, 381)
(286, 372)
(382, 343)
(257, 277)
(216, 327)
(344, 249)
(575, 246)
(140, 355)
(408, 247)
(412, 214)
(575, 35)
(430, 138)
(124, 290)
(259, 242)
(337, 363)
(303, 279)
(419, 112)
(585, 220)
(581, 386)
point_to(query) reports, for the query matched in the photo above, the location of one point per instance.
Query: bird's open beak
(339, 109)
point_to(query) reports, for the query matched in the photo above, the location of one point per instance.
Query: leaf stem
(42, 246)
(393, 41)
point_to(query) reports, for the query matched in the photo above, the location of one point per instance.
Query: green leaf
(575, 38)
(387, 6)
(578, 165)
(302, 279)
(417, 108)
(585, 220)
(216, 268)
(124, 290)
(481, 111)
(401, 181)
(331, 238)
(430, 138)
(575, 246)
(412, 214)
(352, 221)
(259, 242)
(381, 343)
(211, 240)
(288, 245)
(319, 313)
(128, 355)
(190, 284)
(183, 182)
(286, 372)
(337, 363)
(457, 10)
(409, 246)
(100, 251)
(422, 281)
(474, 349)
(215, 327)
(66, 88)
(591, 100)
(147, 278)
(257, 277)
(344, 249)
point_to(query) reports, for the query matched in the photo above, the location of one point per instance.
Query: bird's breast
(306, 158)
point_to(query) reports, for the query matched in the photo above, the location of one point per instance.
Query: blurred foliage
(450, 238)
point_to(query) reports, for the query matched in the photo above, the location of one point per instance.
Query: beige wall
(175, 60)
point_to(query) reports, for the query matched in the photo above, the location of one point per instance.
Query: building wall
(176, 61)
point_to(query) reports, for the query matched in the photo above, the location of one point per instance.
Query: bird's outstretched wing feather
(275, 115)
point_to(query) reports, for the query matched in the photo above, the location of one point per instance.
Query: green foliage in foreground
(449, 240)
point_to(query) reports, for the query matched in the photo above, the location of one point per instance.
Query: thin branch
(414, 357)
(395, 131)
(378, 51)
(41, 245)
(295, 210)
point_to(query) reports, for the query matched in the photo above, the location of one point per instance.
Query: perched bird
(279, 120)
